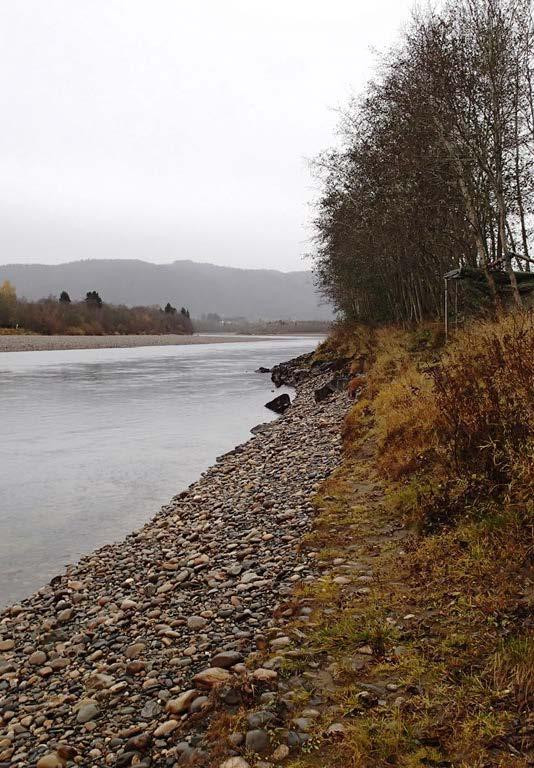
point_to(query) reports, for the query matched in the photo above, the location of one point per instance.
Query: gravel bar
(36, 343)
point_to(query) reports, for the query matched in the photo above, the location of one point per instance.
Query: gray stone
(258, 741)
(258, 719)
(88, 711)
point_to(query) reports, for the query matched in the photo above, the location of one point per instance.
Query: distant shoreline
(37, 343)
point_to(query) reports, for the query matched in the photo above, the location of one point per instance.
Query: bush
(461, 418)
(484, 395)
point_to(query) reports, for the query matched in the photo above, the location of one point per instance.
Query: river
(94, 441)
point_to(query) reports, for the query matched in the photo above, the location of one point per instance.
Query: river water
(94, 441)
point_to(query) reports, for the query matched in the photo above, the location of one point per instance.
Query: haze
(167, 130)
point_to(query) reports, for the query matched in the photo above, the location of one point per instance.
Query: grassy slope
(432, 659)
(418, 648)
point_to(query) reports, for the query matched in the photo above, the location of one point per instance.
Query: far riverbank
(36, 343)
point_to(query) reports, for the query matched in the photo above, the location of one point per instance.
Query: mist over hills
(251, 293)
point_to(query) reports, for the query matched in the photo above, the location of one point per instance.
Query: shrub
(484, 396)
(461, 417)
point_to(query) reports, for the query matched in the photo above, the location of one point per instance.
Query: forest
(433, 171)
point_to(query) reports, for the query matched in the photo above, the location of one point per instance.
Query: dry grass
(344, 342)
(449, 435)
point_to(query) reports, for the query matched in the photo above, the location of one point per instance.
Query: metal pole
(446, 310)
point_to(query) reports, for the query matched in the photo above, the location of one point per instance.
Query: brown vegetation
(89, 317)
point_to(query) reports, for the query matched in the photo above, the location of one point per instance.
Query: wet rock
(279, 404)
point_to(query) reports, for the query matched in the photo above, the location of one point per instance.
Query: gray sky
(165, 129)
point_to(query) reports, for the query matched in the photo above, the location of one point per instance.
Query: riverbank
(37, 343)
(100, 666)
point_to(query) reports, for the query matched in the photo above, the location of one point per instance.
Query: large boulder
(292, 371)
(280, 404)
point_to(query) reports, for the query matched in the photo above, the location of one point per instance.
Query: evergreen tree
(92, 299)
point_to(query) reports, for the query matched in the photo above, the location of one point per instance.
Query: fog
(167, 130)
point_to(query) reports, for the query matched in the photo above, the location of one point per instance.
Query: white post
(446, 310)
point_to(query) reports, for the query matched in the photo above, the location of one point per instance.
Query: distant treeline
(212, 322)
(92, 316)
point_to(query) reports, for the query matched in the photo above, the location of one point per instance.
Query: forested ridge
(434, 169)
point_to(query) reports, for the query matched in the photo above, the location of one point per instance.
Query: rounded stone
(235, 762)
(37, 658)
(211, 677)
(134, 651)
(87, 710)
(196, 622)
(52, 760)
(166, 728)
(258, 741)
(181, 703)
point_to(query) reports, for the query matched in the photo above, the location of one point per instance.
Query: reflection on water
(94, 441)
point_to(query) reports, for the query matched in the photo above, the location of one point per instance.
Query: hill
(204, 288)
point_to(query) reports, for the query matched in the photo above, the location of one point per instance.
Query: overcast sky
(173, 129)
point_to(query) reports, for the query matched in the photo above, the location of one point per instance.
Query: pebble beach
(112, 662)
(37, 343)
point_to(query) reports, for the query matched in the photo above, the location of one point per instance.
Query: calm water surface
(94, 441)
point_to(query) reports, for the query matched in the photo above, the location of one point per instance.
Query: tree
(64, 298)
(184, 312)
(169, 309)
(8, 304)
(434, 171)
(92, 299)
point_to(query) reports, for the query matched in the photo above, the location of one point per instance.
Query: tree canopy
(434, 171)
